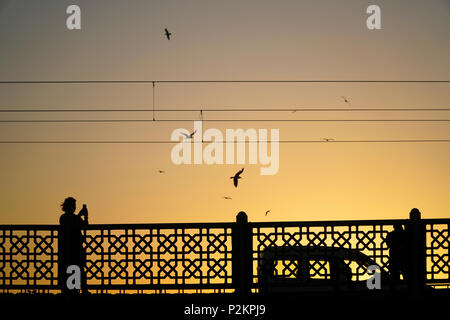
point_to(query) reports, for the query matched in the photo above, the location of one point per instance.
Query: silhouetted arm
(83, 218)
(85, 221)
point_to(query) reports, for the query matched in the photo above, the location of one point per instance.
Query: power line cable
(229, 110)
(216, 120)
(246, 141)
(215, 81)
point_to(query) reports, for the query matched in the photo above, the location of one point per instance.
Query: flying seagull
(189, 136)
(236, 177)
(328, 139)
(161, 171)
(227, 198)
(167, 33)
(267, 212)
(345, 100)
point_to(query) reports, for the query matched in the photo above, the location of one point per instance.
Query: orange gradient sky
(225, 40)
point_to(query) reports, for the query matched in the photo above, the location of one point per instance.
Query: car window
(319, 269)
(286, 268)
(359, 270)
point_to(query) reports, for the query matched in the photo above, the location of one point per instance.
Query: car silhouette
(306, 269)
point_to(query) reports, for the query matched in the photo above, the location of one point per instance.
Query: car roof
(325, 251)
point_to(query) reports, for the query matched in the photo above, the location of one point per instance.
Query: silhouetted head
(242, 217)
(414, 214)
(69, 205)
(398, 227)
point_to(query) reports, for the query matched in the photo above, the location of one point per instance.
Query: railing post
(417, 261)
(241, 264)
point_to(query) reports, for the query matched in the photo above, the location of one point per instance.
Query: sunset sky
(224, 40)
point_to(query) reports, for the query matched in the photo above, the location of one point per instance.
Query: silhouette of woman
(70, 242)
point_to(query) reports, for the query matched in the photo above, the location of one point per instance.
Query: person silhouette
(396, 241)
(70, 243)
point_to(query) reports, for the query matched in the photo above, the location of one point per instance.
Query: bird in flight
(167, 33)
(227, 198)
(189, 136)
(267, 212)
(345, 100)
(161, 171)
(328, 139)
(236, 177)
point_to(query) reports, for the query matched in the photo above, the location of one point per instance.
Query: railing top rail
(122, 226)
(343, 222)
(199, 225)
(220, 224)
(437, 221)
(28, 227)
(328, 223)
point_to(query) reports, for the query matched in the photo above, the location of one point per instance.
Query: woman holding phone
(70, 243)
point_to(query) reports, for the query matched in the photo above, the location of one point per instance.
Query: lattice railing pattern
(437, 251)
(155, 257)
(28, 256)
(367, 237)
(163, 256)
(196, 256)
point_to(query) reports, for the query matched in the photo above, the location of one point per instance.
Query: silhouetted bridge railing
(206, 257)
